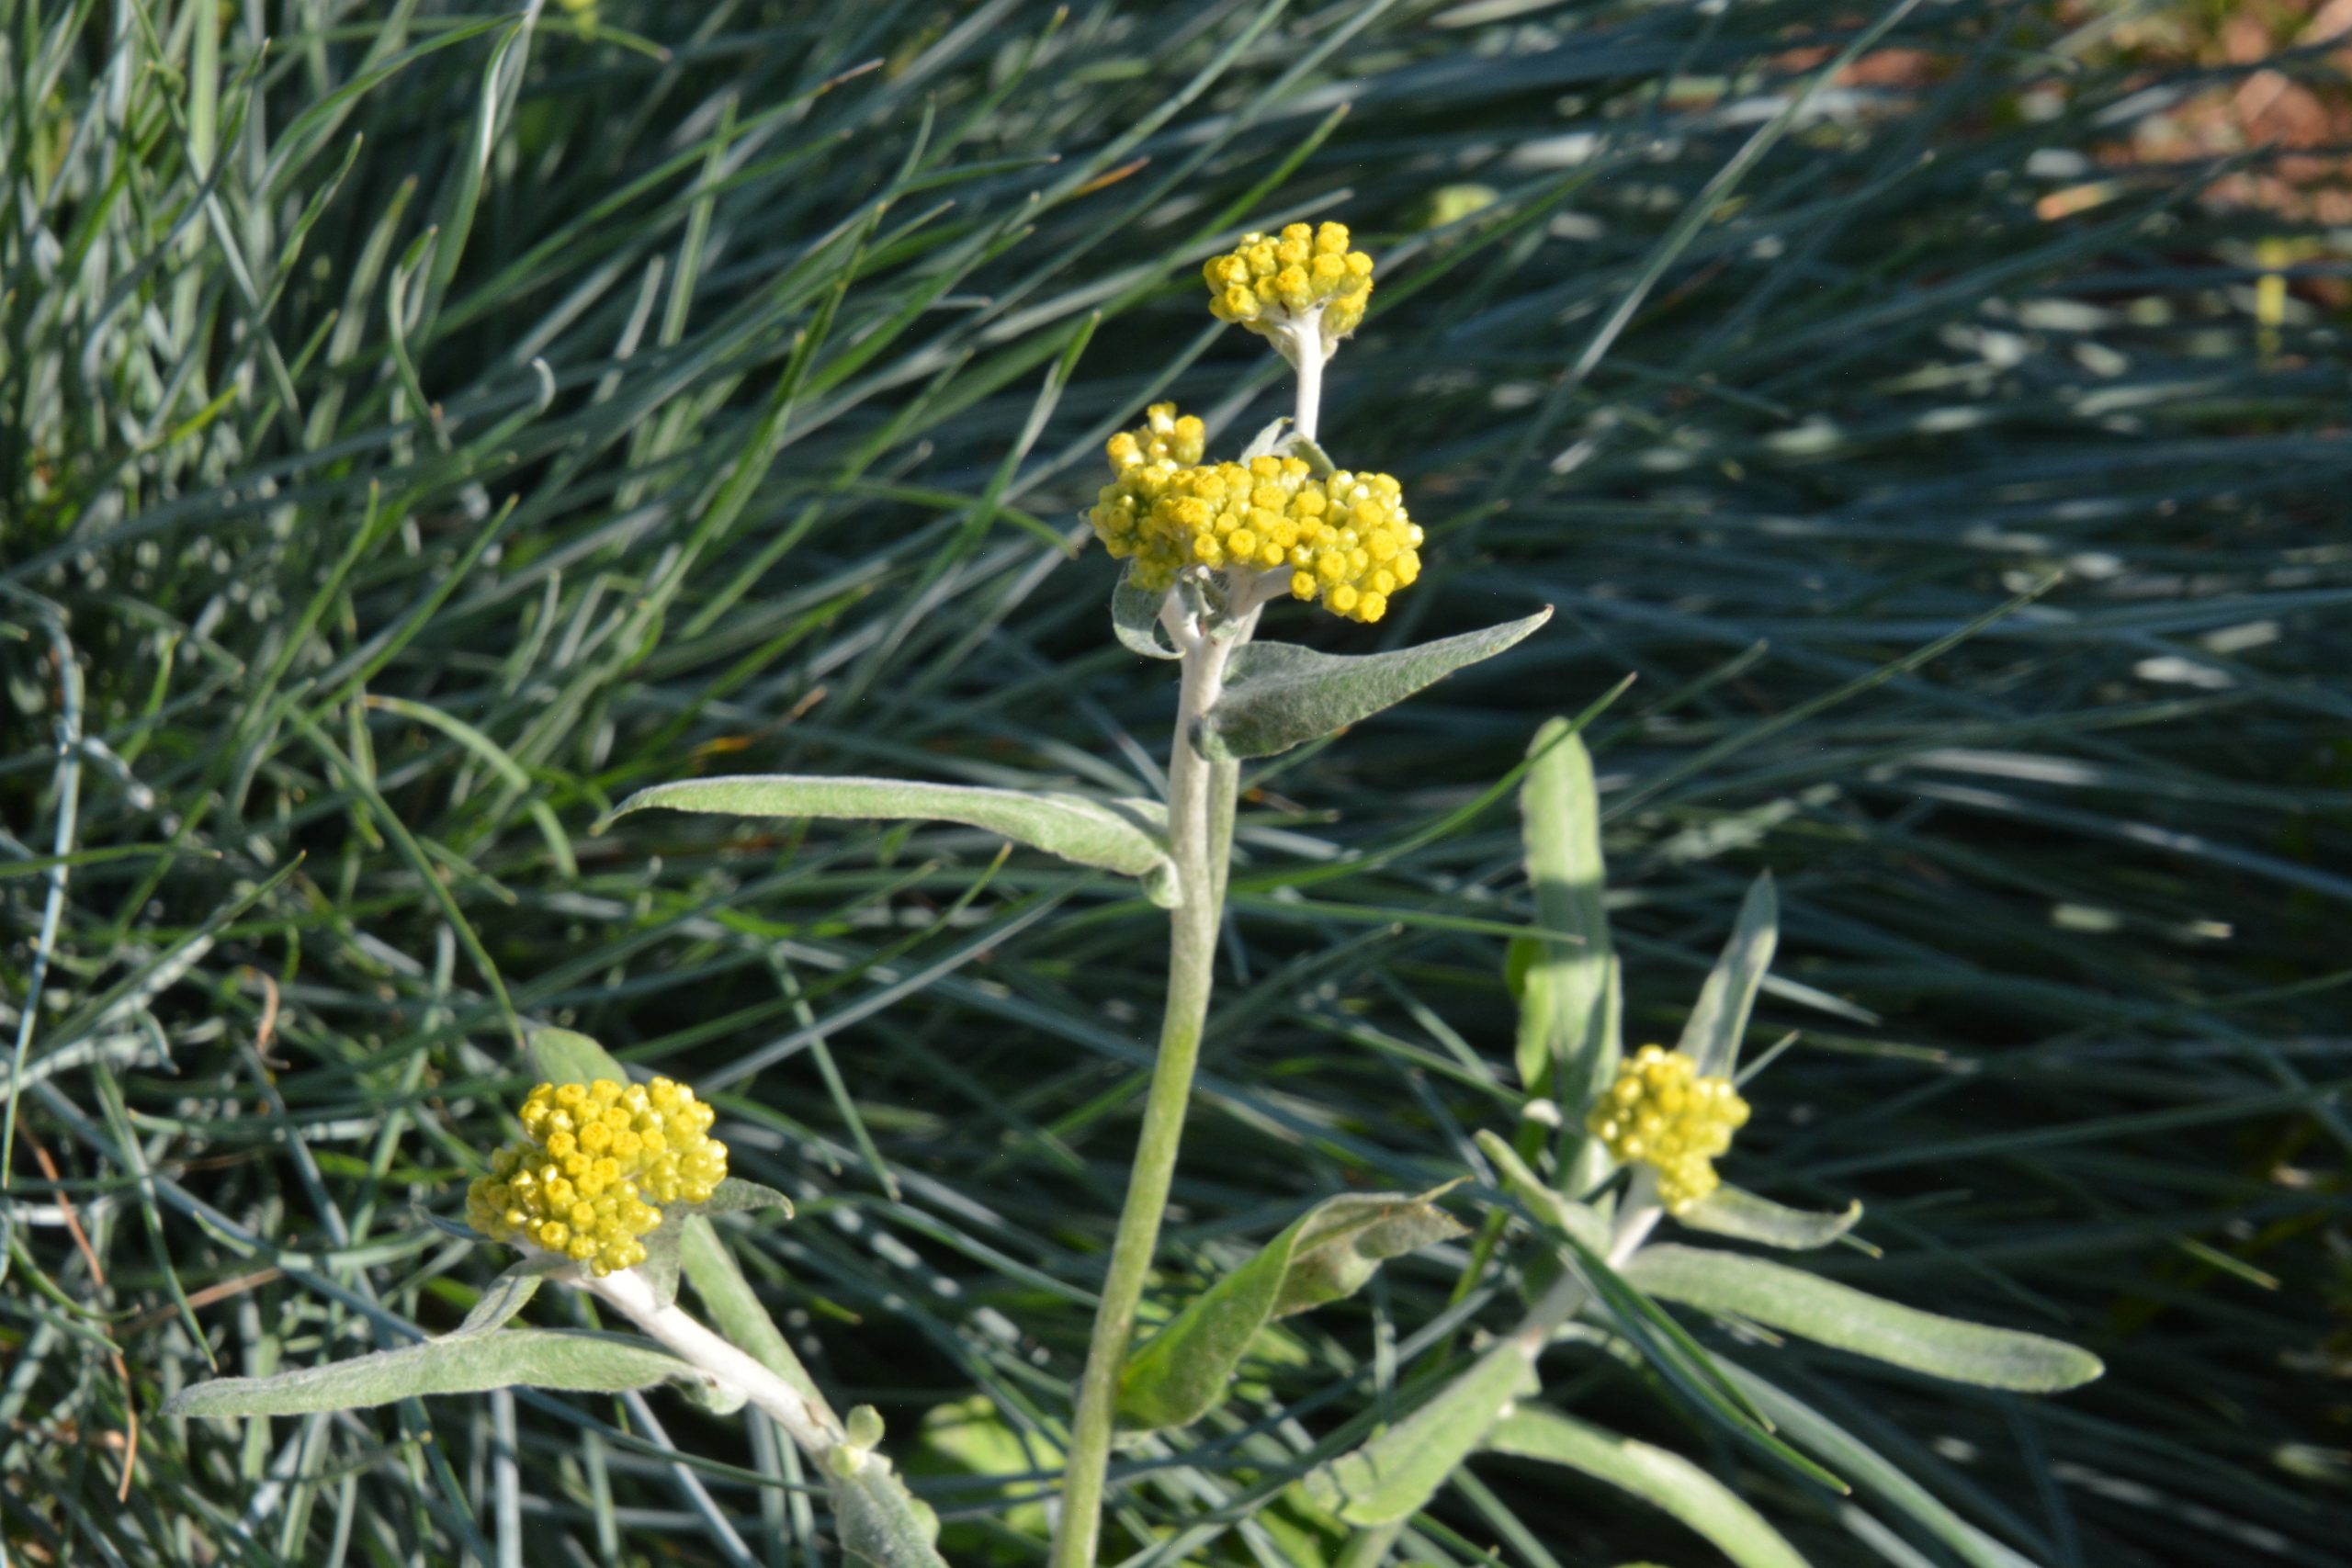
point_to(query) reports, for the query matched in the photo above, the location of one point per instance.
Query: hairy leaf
(1329, 1252)
(884, 1524)
(1390, 1477)
(1744, 1216)
(1719, 1021)
(1838, 1315)
(1565, 1048)
(1135, 619)
(1346, 1239)
(462, 1363)
(1654, 1474)
(561, 1056)
(735, 1195)
(1124, 836)
(1282, 695)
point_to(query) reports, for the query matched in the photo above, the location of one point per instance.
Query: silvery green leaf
(1844, 1318)
(1873, 1473)
(713, 1397)
(734, 1195)
(1269, 441)
(1345, 1240)
(1282, 695)
(462, 1363)
(1182, 1373)
(1319, 462)
(1573, 1219)
(1394, 1473)
(561, 1056)
(457, 1229)
(882, 1523)
(507, 1295)
(1711, 1036)
(1565, 1048)
(1744, 1216)
(1654, 1474)
(1125, 836)
(1135, 617)
(662, 1244)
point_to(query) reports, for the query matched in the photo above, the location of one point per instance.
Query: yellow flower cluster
(1661, 1112)
(1272, 283)
(1345, 539)
(593, 1156)
(1143, 462)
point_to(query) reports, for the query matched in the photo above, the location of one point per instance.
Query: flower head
(1662, 1113)
(1342, 539)
(592, 1156)
(1302, 288)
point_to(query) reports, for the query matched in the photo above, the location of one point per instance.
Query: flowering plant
(609, 1186)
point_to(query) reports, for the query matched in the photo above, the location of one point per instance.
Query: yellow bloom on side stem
(591, 1158)
(1661, 1113)
(1342, 540)
(1300, 283)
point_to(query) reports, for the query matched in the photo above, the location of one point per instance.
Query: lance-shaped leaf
(1346, 1239)
(462, 1363)
(1565, 1048)
(1329, 1252)
(882, 1523)
(665, 1245)
(562, 1056)
(1279, 695)
(1135, 617)
(1125, 836)
(1744, 1216)
(1846, 1319)
(1393, 1475)
(508, 1294)
(1717, 1024)
(735, 1195)
(1657, 1475)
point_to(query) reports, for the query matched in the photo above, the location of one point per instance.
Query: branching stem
(806, 1423)
(1197, 822)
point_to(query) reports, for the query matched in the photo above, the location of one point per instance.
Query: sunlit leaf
(1124, 836)
(1744, 1216)
(468, 1363)
(1719, 1021)
(1830, 1314)
(1565, 1049)
(1394, 1473)
(1280, 695)
(1656, 1475)
(1182, 1371)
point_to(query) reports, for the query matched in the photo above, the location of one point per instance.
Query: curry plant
(1607, 1151)
(610, 1185)
(608, 1188)
(1206, 548)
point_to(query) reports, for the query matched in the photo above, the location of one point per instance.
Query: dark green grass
(368, 527)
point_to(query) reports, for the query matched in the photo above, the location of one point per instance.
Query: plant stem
(1200, 812)
(1308, 362)
(808, 1424)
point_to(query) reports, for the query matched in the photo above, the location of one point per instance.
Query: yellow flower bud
(583, 1194)
(1304, 284)
(1345, 539)
(1659, 1111)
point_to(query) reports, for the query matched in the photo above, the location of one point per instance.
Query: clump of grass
(420, 433)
